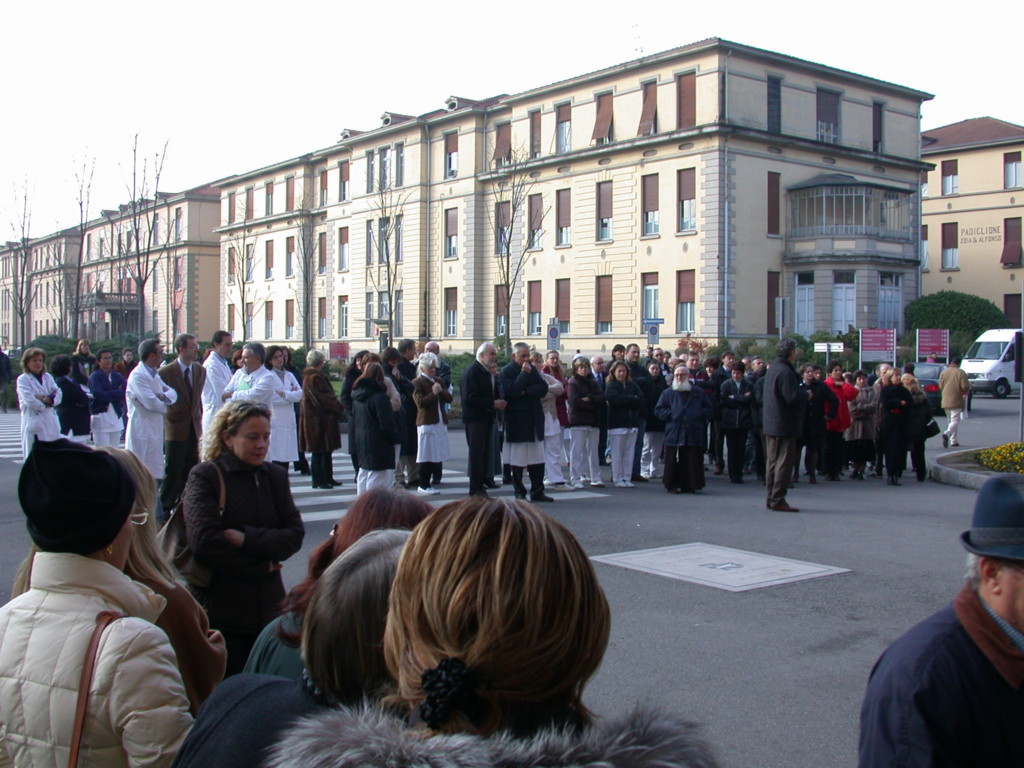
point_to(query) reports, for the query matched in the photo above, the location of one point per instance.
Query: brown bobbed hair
(507, 590)
(375, 509)
(342, 630)
(31, 352)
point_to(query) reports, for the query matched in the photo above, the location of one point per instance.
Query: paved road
(774, 675)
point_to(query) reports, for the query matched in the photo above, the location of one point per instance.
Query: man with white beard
(686, 411)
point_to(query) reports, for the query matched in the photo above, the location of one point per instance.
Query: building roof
(841, 180)
(975, 132)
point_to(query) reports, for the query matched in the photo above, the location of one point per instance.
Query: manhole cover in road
(734, 570)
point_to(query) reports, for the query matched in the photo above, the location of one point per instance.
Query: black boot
(517, 482)
(506, 474)
(537, 483)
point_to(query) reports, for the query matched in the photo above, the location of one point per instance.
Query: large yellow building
(973, 202)
(693, 186)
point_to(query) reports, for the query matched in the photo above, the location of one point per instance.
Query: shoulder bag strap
(223, 489)
(103, 620)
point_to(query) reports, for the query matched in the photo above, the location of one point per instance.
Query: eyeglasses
(139, 518)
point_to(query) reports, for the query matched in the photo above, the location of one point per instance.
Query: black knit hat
(76, 499)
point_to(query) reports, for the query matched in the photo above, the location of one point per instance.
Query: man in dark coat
(524, 388)
(784, 404)
(950, 692)
(598, 372)
(5, 378)
(481, 400)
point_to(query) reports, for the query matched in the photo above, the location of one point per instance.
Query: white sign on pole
(654, 335)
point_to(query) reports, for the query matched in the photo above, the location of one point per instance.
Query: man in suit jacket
(597, 371)
(184, 419)
(478, 390)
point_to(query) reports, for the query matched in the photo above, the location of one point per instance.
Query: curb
(940, 473)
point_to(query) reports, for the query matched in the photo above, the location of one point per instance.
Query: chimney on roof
(451, 103)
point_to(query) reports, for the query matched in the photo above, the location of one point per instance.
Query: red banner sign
(878, 341)
(933, 342)
(339, 350)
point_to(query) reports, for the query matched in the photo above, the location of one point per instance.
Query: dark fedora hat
(997, 529)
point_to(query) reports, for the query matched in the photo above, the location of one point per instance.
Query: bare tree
(517, 229)
(23, 289)
(240, 257)
(139, 225)
(73, 268)
(307, 262)
(385, 275)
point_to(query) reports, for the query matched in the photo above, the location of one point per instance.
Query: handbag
(174, 541)
(931, 429)
(103, 620)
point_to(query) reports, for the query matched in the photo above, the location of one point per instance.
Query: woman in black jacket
(821, 406)
(625, 409)
(586, 402)
(654, 435)
(895, 403)
(245, 541)
(73, 408)
(355, 370)
(917, 421)
(375, 433)
(737, 398)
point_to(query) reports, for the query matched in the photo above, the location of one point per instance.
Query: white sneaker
(578, 486)
(627, 484)
(596, 484)
(620, 484)
(427, 491)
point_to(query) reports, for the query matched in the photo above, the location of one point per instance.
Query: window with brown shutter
(503, 144)
(774, 209)
(500, 300)
(535, 210)
(268, 192)
(827, 103)
(1011, 170)
(535, 134)
(685, 301)
(268, 320)
(231, 207)
(451, 298)
(289, 193)
(269, 259)
(562, 298)
(603, 122)
(1011, 242)
(648, 110)
(950, 245)
(503, 227)
(563, 128)
(534, 320)
(603, 311)
(604, 210)
(451, 233)
(950, 177)
(563, 216)
(686, 100)
(323, 188)
(686, 186)
(772, 326)
(343, 178)
(343, 248)
(649, 208)
(289, 312)
(248, 203)
(451, 155)
(321, 253)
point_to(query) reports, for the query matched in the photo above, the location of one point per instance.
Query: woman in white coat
(137, 711)
(38, 393)
(284, 434)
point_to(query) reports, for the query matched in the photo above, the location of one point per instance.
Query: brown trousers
(780, 457)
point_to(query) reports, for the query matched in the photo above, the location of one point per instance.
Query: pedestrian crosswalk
(314, 503)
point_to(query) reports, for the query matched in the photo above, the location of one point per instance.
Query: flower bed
(1003, 458)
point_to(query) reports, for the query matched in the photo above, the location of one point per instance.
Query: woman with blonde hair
(496, 623)
(244, 541)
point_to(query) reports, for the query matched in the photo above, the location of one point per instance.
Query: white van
(989, 363)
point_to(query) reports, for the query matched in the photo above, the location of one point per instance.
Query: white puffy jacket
(138, 712)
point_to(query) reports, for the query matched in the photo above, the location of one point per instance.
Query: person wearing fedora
(949, 692)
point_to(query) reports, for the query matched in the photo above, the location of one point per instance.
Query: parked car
(928, 377)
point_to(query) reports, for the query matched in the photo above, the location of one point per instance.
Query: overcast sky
(233, 86)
